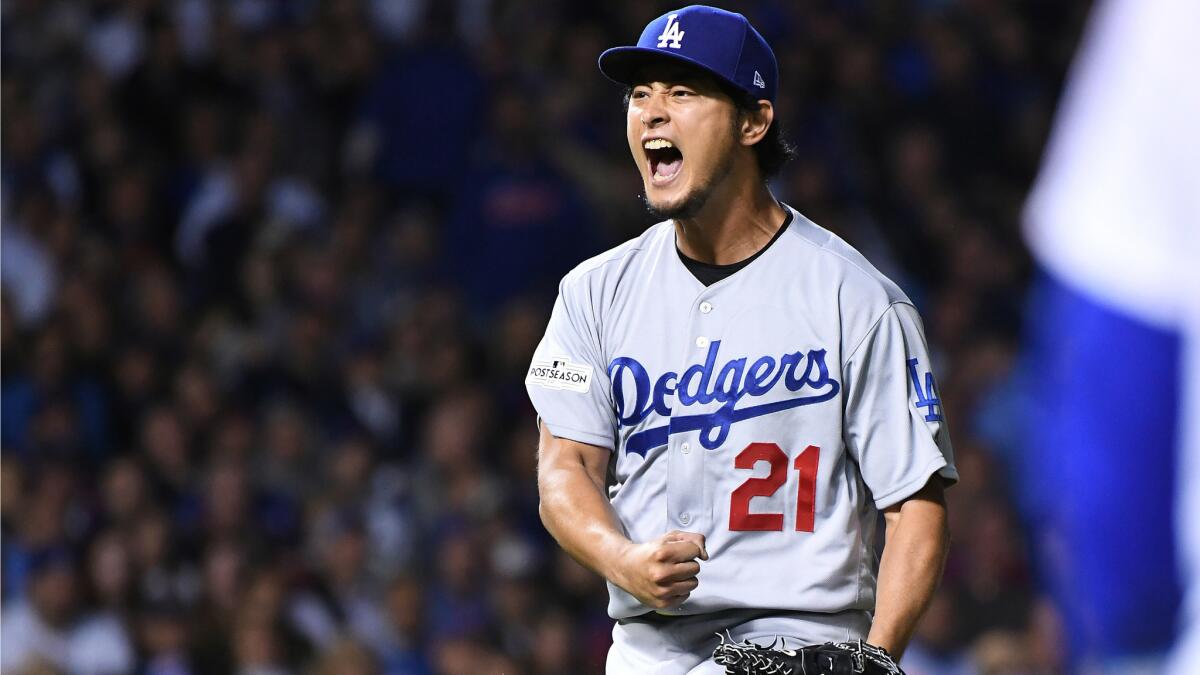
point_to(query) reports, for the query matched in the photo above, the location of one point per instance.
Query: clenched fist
(661, 573)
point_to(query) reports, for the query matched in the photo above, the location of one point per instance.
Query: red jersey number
(806, 463)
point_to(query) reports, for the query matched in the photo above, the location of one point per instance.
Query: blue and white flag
(1114, 223)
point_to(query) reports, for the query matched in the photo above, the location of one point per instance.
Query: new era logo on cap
(722, 43)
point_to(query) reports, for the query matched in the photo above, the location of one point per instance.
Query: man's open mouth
(665, 160)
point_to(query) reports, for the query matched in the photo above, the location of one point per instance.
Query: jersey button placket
(687, 473)
(705, 320)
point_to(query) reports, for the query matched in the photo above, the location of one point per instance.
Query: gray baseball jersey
(773, 411)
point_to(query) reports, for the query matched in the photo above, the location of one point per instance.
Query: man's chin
(684, 206)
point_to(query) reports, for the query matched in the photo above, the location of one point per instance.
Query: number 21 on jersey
(740, 517)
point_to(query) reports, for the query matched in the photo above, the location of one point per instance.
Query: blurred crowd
(273, 270)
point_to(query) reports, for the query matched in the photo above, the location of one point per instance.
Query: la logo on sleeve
(560, 373)
(927, 396)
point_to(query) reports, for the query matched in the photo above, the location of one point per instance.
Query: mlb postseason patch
(560, 373)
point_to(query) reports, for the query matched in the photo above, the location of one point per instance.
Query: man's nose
(654, 113)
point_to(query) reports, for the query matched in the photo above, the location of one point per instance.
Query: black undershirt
(709, 274)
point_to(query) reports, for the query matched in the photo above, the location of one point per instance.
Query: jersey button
(705, 307)
(701, 342)
(685, 517)
(685, 448)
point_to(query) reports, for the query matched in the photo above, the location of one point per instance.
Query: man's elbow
(543, 513)
(543, 488)
(934, 521)
(924, 517)
(550, 486)
(937, 525)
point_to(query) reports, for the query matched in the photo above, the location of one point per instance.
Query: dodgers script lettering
(635, 396)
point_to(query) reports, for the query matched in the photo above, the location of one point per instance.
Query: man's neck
(734, 224)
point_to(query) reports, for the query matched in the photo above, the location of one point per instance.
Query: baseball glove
(841, 658)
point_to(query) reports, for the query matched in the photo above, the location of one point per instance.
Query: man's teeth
(658, 144)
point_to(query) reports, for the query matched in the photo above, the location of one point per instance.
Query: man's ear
(753, 123)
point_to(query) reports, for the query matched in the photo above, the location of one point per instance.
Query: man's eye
(639, 94)
(681, 92)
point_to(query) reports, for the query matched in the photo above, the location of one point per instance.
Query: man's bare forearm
(911, 567)
(575, 510)
(660, 573)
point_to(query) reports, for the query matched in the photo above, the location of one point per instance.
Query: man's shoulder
(855, 274)
(616, 260)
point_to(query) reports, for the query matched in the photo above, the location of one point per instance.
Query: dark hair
(772, 151)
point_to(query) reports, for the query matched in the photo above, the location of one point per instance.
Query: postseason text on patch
(560, 373)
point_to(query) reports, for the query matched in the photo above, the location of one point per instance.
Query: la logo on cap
(671, 36)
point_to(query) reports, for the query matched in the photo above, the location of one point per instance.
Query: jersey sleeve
(895, 428)
(567, 380)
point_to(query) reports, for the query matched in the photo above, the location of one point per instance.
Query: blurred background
(273, 270)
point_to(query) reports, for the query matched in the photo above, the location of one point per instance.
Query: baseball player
(728, 402)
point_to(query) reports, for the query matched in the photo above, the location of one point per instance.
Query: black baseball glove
(840, 658)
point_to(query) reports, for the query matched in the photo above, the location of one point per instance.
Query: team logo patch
(560, 373)
(671, 36)
(927, 395)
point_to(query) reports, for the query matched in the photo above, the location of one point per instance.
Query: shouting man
(729, 401)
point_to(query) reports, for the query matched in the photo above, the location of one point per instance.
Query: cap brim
(620, 64)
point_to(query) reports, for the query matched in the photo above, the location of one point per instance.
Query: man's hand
(661, 573)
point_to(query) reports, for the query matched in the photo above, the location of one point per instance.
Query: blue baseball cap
(721, 43)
